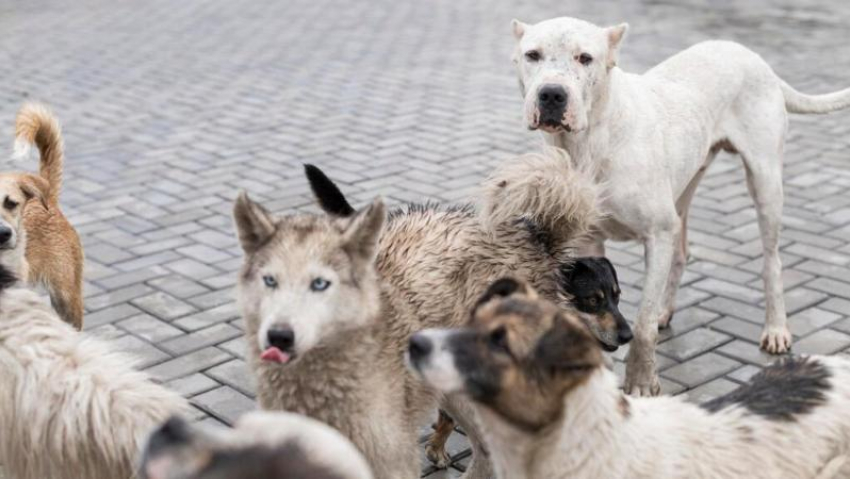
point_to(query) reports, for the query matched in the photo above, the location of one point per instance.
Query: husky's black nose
(419, 347)
(552, 102)
(5, 235)
(282, 337)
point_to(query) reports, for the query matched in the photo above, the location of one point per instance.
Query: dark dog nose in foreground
(419, 347)
(5, 235)
(624, 335)
(282, 338)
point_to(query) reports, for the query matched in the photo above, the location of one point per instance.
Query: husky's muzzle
(280, 345)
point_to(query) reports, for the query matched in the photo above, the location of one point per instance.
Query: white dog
(70, 406)
(652, 137)
(550, 409)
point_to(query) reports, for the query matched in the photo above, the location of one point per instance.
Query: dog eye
(592, 301)
(9, 203)
(319, 284)
(499, 339)
(532, 55)
(585, 59)
(270, 281)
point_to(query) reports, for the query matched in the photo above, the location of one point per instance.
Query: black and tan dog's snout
(552, 103)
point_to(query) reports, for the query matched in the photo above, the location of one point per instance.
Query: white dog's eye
(319, 284)
(532, 55)
(585, 59)
(10, 204)
(270, 281)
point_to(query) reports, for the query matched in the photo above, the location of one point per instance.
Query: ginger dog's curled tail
(547, 190)
(36, 126)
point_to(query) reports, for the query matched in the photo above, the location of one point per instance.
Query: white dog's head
(563, 66)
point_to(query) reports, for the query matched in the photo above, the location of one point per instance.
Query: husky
(263, 445)
(330, 301)
(550, 409)
(70, 406)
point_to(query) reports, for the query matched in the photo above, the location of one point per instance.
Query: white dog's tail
(559, 199)
(36, 126)
(796, 102)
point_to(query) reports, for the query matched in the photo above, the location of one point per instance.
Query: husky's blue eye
(319, 284)
(270, 281)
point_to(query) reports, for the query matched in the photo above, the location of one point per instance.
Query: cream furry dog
(652, 136)
(330, 301)
(550, 409)
(70, 406)
(263, 445)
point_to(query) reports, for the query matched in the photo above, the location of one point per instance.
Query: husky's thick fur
(36, 240)
(550, 409)
(70, 406)
(263, 445)
(331, 301)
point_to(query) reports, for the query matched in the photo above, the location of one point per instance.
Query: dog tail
(796, 102)
(36, 126)
(549, 193)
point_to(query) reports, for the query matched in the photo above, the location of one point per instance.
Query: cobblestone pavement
(171, 107)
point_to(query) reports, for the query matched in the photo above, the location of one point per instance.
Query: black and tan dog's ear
(254, 224)
(362, 234)
(567, 347)
(504, 287)
(36, 188)
(327, 193)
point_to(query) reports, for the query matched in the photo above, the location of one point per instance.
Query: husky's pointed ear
(518, 28)
(503, 288)
(254, 224)
(329, 196)
(363, 232)
(615, 39)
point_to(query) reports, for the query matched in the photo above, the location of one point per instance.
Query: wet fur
(432, 265)
(70, 406)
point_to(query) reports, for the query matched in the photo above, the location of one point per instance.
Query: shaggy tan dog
(36, 241)
(70, 406)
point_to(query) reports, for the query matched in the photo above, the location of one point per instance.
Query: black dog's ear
(329, 196)
(578, 267)
(502, 288)
(611, 268)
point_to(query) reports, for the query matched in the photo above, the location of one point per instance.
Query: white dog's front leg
(641, 373)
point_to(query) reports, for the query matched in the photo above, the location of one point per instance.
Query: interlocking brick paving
(170, 108)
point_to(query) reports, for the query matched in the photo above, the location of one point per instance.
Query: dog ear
(254, 224)
(567, 347)
(361, 235)
(572, 270)
(33, 188)
(502, 288)
(329, 196)
(518, 28)
(615, 39)
(611, 268)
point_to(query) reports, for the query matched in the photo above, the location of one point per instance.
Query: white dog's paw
(776, 340)
(641, 378)
(664, 321)
(438, 455)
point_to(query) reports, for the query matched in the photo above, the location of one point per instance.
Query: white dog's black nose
(5, 234)
(419, 347)
(282, 338)
(552, 102)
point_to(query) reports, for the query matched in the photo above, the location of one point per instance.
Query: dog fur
(652, 137)
(263, 445)
(550, 409)
(70, 406)
(42, 246)
(424, 268)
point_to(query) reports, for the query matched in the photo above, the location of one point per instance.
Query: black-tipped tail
(328, 195)
(7, 277)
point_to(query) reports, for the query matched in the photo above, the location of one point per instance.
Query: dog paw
(776, 340)
(438, 456)
(665, 320)
(641, 377)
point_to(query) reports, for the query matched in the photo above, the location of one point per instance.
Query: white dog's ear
(254, 224)
(518, 28)
(615, 39)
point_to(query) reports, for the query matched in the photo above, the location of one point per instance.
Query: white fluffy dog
(652, 136)
(550, 409)
(70, 407)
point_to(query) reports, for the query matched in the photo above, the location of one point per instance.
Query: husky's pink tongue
(275, 355)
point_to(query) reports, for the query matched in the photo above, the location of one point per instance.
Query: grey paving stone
(746, 352)
(164, 306)
(142, 350)
(225, 404)
(192, 385)
(201, 338)
(149, 328)
(191, 363)
(744, 374)
(693, 343)
(701, 369)
(810, 320)
(711, 390)
(235, 374)
(825, 341)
